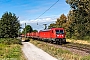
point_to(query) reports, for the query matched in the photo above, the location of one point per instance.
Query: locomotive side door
(52, 34)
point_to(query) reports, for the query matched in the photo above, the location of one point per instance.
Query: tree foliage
(35, 31)
(79, 16)
(52, 25)
(61, 22)
(27, 29)
(9, 25)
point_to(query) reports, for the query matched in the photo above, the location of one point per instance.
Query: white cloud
(40, 21)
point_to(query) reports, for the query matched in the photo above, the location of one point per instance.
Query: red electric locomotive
(56, 35)
(53, 35)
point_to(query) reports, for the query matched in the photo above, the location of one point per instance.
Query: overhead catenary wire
(47, 9)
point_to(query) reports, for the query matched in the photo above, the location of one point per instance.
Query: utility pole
(25, 30)
(18, 32)
(45, 26)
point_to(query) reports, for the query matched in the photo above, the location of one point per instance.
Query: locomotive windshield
(59, 31)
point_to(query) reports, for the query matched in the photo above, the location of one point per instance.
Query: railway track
(76, 48)
(81, 47)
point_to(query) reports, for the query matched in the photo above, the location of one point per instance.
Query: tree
(61, 21)
(79, 16)
(28, 29)
(35, 31)
(9, 25)
(53, 25)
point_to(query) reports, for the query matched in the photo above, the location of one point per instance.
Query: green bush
(86, 58)
(10, 41)
(87, 38)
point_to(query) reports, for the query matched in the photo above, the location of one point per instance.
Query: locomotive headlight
(57, 35)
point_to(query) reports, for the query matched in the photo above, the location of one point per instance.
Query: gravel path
(33, 53)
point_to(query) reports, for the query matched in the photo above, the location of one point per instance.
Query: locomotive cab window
(59, 31)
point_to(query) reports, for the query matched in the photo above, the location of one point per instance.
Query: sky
(28, 11)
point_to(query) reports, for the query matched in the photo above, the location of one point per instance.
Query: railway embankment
(64, 51)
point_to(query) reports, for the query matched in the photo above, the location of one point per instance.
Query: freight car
(53, 35)
(34, 35)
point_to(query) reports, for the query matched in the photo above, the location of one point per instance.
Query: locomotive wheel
(51, 41)
(59, 42)
(48, 41)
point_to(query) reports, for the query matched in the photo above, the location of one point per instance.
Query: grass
(59, 53)
(86, 58)
(10, 41)
(79, 41)
(10, 49)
